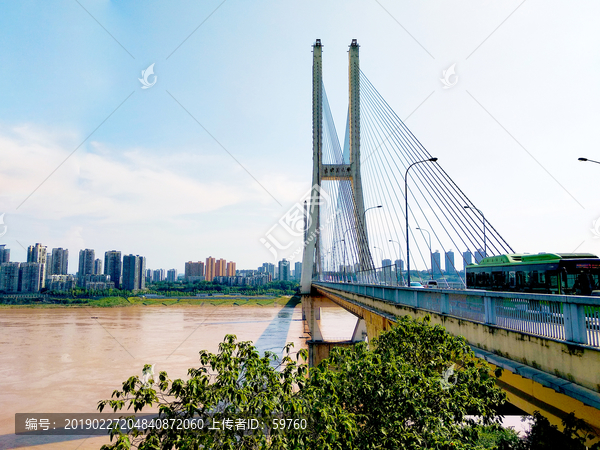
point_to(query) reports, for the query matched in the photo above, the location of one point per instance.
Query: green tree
(402, 393)
(397, 392)
(235, 383)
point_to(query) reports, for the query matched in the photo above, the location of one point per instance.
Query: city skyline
(187, 165)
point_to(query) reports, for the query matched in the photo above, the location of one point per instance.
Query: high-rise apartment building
(231, 269)
(194, 269)
(449, 263)
(30, 277)
(98, 266)
(37, 254)
(113, 266)
(284, 270)
(4, 254)
(87, 259)
(134, 272)
(436, 263)
(142, 272)
(158, 275)
(59, 264)
(172, 275)
(9, 276)
(269, 269)
(386, 271)
(479, 254)
(298, 270)
(467, 259)
(210, 268)
(220, 268)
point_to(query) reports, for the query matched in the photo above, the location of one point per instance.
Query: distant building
(231, 269)
(98, 266)
(158, 275)
(220, 268)
(149, 275)
(194, 270)
(113, 267)
(386, 270)
(298, 270)
(97, 281)
(37, 254)
(60, 282)
(172, 275)
(284, 270)
(134, 271)
(479, 254)
(436, 264)
(30, 276)
(60, 262)
(141, 273)
(467, 259)
(399, 264)
(449, 263)
(9, 276)
(209, 268)
(87, 259)
(4, 254)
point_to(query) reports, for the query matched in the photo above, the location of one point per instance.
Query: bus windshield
(580, 277)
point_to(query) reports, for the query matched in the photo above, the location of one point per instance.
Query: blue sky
(151, 181)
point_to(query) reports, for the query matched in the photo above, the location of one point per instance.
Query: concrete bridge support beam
(360, 331)
(311, 312)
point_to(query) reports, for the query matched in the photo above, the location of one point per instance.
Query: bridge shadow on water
(275, 335)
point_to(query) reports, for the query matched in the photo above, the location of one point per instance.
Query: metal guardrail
(562, 317)
(390, 275)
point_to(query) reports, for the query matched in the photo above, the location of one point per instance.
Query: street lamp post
(399, 259)
(588, 160)
(430, 258)
(483, 220)
(406, 213)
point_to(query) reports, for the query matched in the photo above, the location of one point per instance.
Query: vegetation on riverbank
(116, 301)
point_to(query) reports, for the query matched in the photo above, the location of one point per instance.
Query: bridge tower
(323, 172)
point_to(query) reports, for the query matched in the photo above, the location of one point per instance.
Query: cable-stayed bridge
(379, 206)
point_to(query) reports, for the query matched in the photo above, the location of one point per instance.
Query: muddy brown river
(65, 360)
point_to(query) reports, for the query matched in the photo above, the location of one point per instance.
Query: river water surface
(65, 360)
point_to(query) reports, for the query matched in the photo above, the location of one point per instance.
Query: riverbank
(112, 302)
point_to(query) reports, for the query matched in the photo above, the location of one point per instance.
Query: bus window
(511, 279)
(552, 282)
(520, 280)
(582, 285)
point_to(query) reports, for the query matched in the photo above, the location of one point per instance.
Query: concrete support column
(360, 331)
(312, 315)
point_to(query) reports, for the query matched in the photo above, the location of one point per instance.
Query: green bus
(542, 273)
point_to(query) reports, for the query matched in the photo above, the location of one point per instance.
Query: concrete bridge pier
(318, 347)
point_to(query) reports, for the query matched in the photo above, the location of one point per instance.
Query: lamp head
(433, 159)
(583, 159)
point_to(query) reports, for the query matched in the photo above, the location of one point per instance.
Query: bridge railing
(561, 317)
(388, 275)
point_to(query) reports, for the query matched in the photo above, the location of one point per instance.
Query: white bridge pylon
(323, 172)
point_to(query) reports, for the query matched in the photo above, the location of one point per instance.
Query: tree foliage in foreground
(394, 393)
